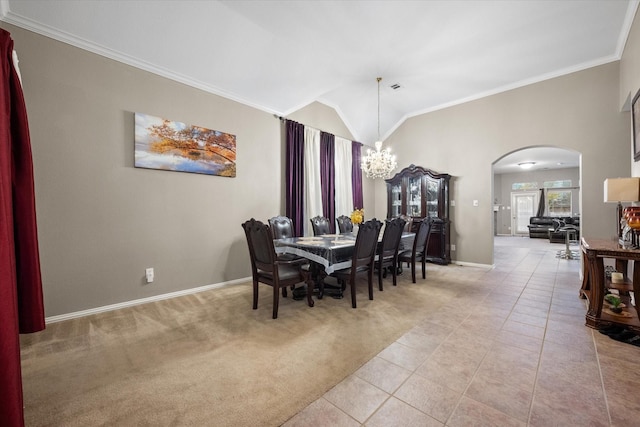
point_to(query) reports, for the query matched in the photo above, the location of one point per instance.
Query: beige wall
(101, 221)
(579, 111)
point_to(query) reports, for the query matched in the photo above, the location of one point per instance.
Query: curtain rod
(559, 188)
(282, 119)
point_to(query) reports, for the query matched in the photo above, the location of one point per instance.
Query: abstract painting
(175, 146)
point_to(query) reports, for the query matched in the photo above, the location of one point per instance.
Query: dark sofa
(553, 228)
(539, 226)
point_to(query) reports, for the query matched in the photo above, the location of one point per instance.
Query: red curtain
(21, 305)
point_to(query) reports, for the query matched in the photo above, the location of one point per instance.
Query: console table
(594, 283)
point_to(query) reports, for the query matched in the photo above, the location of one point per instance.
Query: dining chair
(344, 224)
(419, 250)
(321, 225)
(364, 253)
(388, 251)
(266, 267)
(281, 227)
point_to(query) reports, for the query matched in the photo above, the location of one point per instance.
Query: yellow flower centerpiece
(357, 216)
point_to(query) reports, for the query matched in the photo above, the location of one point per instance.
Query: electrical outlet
(149, 274)
(453, 247)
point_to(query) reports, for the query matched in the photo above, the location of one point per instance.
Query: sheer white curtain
(344, 188)
(312, 187)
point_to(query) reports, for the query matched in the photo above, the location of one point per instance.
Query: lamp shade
(621, 190)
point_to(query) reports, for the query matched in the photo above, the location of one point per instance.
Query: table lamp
(618, 190)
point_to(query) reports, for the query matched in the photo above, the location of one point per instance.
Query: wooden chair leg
(255, 295)
(424, 268)
(353, 293)
(395, 273)
(413, 271)
(370, 284)
(380, 277)
(276, 300)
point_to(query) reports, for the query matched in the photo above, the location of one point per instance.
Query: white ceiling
(543, 157)
(280, 56)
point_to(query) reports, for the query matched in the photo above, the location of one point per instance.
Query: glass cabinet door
(433, 191)
(396, 200)
(414, 196)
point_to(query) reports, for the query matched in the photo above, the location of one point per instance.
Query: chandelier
(379, 163)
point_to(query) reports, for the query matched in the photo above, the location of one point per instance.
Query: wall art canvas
(175, 146)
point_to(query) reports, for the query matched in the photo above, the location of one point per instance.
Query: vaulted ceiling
(280, 56)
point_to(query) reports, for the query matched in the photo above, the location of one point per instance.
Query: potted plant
(615, 302)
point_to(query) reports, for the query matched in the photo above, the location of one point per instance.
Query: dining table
(327, 253)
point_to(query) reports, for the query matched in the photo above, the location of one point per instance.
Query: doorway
(523, 207)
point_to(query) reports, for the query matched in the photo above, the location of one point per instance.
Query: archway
(534, 181)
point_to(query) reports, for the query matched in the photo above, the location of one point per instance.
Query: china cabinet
(422, 193)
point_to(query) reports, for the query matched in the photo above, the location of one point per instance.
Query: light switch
(475, 203)
(149, 274)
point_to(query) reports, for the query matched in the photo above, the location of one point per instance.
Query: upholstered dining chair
(266, 267)
(363, 259)
(281, 227)
(419, 250)
(388, 251)
(344, 224)
(320, 225)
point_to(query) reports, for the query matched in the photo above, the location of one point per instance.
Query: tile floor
(513, 351)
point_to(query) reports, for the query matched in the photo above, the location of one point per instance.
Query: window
(565, 183)
(524, 186)
(559, 201)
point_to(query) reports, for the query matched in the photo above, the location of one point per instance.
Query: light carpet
(209, 359)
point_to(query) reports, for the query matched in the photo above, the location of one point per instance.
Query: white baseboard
(111, 307)
(82, 313)
(473, 264)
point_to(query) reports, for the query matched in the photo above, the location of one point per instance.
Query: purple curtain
(295, 176)
(328, 177)
(21, 304)
(356, 175)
